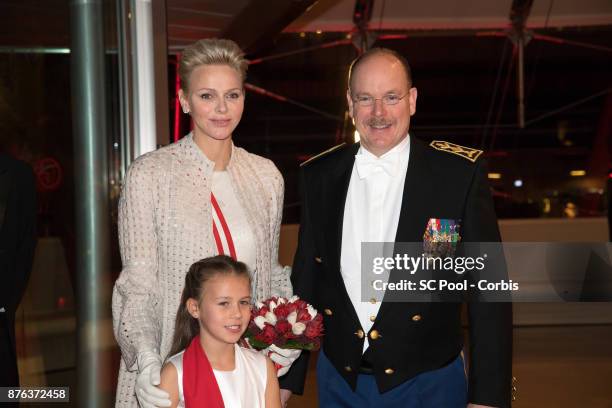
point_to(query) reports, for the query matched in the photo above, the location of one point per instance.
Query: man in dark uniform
(388, 188)
(17, 242)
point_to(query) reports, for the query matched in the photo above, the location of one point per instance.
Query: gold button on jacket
(359, 333)
(416, 318)
(348, 369)
(318, 260)
(328, 312)
(389, 371)
(374, 334)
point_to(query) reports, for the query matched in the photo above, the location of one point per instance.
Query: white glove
(282, 357)
(149, 369)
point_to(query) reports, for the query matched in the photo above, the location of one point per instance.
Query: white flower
(311, 311)
(259, 321)
(293, 298)
(292, 318)
(259, 304)
(271, 318)
(281, 300)
(298, 328)
(272, 305)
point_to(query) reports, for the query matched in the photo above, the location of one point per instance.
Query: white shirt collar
(401, 147)
(367, 163)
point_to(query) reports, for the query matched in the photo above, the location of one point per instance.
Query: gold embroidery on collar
(465, 152)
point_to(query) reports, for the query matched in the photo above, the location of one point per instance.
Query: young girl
(207, 368)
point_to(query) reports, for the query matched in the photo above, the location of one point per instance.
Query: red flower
(281, 311)
(291, 307)
(314, 328)
(300, 304)
(259, 312)
(283, 327)
(267, 335)
(303, 315)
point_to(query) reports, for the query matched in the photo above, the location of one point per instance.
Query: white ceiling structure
(337, 15)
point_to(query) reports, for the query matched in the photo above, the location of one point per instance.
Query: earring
(185, 111)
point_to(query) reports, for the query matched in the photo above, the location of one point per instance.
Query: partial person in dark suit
(388, 188)
(17, 243)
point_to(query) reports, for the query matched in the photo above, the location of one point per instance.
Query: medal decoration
(441, 237)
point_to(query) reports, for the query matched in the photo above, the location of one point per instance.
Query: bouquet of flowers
(286, 323)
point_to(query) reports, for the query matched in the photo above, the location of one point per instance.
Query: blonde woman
(196, 198)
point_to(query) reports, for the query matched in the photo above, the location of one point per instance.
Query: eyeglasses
(389, 99)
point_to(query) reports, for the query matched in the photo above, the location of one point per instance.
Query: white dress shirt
(371, 214)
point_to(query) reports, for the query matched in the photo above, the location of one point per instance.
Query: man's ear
(349, 101)
(193, 308)
(412, 99)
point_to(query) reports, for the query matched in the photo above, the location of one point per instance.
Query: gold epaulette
(322, 154)
(465, 152)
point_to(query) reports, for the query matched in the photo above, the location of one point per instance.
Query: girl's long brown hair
(186, 326)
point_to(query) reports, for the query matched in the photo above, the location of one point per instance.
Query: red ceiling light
(393, 37)
(261, 91)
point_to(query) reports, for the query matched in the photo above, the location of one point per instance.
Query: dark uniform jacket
(445, 182)
(17, 242)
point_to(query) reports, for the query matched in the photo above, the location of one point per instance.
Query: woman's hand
(282, 357)
(147, 392)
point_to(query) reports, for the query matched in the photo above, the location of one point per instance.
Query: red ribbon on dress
(224, 227)
(200, 388)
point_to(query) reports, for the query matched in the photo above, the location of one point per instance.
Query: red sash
(200, 388)
(222, 235)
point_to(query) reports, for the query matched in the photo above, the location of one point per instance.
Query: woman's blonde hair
(211, 51)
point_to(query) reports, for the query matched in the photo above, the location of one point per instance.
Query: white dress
(244, 387)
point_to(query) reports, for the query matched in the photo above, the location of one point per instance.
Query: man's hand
(149, 368)
(285, 395)
(282, 357)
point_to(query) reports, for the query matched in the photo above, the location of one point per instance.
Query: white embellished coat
(165, 225)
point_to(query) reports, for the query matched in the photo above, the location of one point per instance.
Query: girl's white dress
(244, 387)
